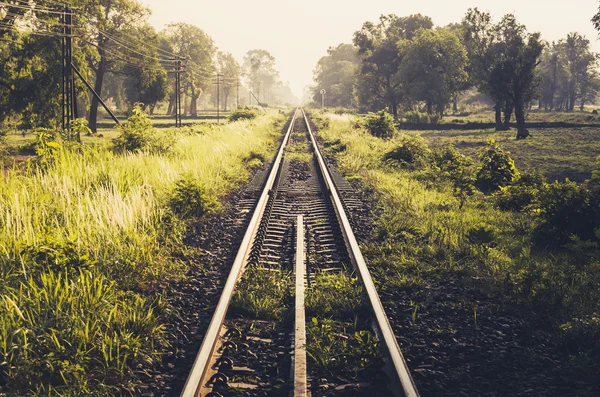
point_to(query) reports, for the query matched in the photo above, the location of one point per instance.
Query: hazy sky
(297, 33)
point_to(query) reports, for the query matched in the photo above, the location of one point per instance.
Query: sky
(299, 32)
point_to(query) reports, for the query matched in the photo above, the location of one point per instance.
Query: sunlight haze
(297, 34)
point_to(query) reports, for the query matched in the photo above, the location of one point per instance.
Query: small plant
(483, 235)
(188, 198)
(46, 146)
(242, 113)
(334, 295)
(80, 127)
(263, 294)
(412, 152)
(497, 168)
(135, 132)
(380, 124)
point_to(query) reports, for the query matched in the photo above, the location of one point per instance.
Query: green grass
(558, 153)
(85, 237)
(424, 233)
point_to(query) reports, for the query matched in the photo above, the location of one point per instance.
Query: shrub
(135, 132)
(342, 111)
(417, 117)
(242, 113)
(450, 160)
(412, 151)
(568, 209)
(482, 234)
(380, 124)
(497, 168)
(188, 198)
(596, 172)
(515, 198)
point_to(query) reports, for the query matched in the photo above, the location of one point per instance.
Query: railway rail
(299, 224)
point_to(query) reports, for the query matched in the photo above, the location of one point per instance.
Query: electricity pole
(69, 103)
(178, 94)
(218, 98)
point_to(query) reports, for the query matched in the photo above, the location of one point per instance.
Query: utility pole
(178, 94)
(69, 102)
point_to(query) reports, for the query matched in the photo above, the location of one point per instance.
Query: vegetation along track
(258, 342)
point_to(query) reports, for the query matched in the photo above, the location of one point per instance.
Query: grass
(335, 294)
(425, 233)
(558, 153)
(86, 236)
(263, 294)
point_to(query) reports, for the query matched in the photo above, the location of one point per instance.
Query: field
(558, 153)
(463, 274)
(86, 237)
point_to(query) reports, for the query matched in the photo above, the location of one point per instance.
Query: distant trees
(336, 73)
(195, 46)
(433, 68)
(503, 59)
(568, 74)
(259, 68)
(230, 71)
(380, 84)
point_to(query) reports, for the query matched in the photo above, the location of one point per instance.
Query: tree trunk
(582, 107)
(93, 120)
(171, 108)
(225, 100)
(429, 107)
(194, 105)
(522, 132)
(508, 110)
(455, 104)
(498, 109)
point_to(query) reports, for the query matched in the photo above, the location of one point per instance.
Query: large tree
(336, 73)
(198, 50)
(380, 83)
(433, 67)
(231, 72)
(503, 59)
(259, 68)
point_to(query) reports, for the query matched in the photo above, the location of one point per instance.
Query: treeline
(123, 57)
(405, 64)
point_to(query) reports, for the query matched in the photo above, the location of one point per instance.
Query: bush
(412, 151)
(242, 113)
(417, 117)
(482, 234)
(449, 160)
(497, 168)
(596, 172)
(188, 198)
(568, 209)
(341, 111)
(380, 124)
(515, 198)
(137, 134)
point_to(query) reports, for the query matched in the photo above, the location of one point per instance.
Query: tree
(197, 48)
(107, 22)
(336, 74)
(231, 72)
(259, 67)
(380, 84)
(433, 67)
(503, 59)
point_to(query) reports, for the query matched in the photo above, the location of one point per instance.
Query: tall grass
(79, 236)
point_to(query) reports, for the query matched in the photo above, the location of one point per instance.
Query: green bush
(569, 209)
(135, 132)
(188, 198)
(412, 152)
(515, 198)
(242, 113)
(497, 168)
(596, 172)
(380, 124)
(450, 160)
(137, 135)
(341, 111)
(416, 117)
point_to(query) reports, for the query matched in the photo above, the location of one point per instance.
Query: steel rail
(395, 354)
(201, 364)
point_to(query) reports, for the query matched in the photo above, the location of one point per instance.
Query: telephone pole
(178, 94)
(69, 102)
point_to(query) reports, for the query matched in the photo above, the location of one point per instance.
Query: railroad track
(299, 232)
